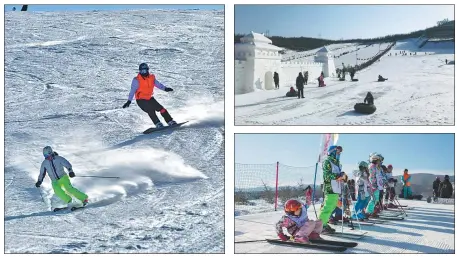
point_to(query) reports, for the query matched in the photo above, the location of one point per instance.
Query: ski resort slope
(419, 91)
(67, 76)
(429, 228)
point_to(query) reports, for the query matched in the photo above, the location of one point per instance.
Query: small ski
(59, 209)
(346, 235)
(331, 242)
(311, 246)
(355, 222)
(388, 218)
(74, 208)
(151, 130)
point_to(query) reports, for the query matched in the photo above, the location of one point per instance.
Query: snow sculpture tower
(325, 57)
(260, 59)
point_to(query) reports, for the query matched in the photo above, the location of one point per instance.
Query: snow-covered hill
(67, 75)
(428, 228)
(419, 91)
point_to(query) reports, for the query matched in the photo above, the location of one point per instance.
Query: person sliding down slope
(54, 166)
(297, 223)
(332, 185)
(143, 88)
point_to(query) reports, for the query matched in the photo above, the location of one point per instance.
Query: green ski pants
(64, 182)
(330, 203)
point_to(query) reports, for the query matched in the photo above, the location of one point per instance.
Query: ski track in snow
(419, 91)
(66, 79)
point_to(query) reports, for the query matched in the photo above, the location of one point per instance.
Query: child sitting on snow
(297, 223)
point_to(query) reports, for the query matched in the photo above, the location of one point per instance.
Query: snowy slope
(67, 76)
(429, 228)
(420, 91)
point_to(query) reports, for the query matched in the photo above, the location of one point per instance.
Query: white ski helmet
(47, 151)
(376, 156)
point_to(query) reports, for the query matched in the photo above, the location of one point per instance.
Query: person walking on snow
(54, 165)
(332, 185)
(297, 223)
(406, 180)
(445, 188)
(143, 89)
(436, 187)
(299, 83)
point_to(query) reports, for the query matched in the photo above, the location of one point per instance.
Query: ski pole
(401, 206)
(96, 177)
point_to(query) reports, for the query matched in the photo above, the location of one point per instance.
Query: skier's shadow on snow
(36, 214)
(140, 138)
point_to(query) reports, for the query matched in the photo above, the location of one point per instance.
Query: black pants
(276, 84)
(306, 81)
(151, 106)
(300, 92)
(381, 199)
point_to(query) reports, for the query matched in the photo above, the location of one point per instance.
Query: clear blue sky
(338, 21)
(419, 153)
(86, 7)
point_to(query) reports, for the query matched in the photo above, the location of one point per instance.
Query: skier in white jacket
(53, 165)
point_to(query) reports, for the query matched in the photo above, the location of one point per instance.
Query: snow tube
(290, 94)
(382, 80)
(341, 79)
(364, 108)
(355, 80)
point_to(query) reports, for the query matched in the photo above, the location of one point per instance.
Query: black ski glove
(127, 104)
(38, 183)
(168, 89)
(71, 174)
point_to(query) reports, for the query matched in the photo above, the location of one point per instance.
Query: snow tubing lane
(289, 94)
(365, 108)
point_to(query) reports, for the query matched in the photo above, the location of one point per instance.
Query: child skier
(363, 195)
(332, 185)
(297, 223)
(54, 166)
(376, 182)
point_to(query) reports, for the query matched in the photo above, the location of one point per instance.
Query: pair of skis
(74, 208)
(327, 245)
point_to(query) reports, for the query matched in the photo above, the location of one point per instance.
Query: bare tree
(268, 195)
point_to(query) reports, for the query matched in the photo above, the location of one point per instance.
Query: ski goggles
(144, 71)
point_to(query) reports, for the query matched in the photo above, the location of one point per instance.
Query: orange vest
(145, 87)
(405, 177)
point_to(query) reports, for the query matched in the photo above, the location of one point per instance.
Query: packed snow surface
(428, 228)
(419, 91)
(67, 75)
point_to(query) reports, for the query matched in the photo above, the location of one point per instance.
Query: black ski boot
(327, 230)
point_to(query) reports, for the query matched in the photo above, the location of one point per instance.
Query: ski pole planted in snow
(96, 177)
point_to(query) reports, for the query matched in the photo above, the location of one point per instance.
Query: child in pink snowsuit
(297, 223)
(321, 80)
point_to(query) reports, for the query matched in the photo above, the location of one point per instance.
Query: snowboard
(151, 130)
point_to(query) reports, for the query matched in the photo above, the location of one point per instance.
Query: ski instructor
(143, 88)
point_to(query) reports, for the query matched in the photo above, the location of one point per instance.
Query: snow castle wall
(290, 70)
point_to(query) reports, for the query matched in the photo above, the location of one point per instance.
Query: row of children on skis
(372, 181)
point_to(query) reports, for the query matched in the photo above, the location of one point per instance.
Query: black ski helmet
(144, 69)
